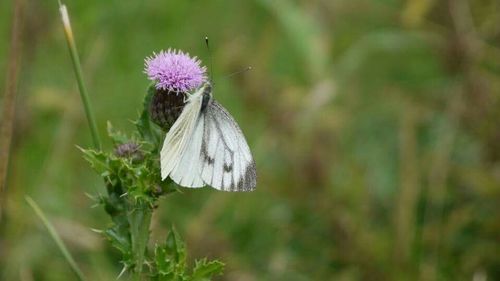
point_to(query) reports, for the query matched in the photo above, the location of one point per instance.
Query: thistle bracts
(165, 107)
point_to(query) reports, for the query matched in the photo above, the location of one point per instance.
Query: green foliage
(170, 262)
(146, 129)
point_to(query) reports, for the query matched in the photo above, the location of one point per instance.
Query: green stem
(9, 97)
(56, 238)
(79, 77)
(139, 220)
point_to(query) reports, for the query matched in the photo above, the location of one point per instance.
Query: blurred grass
(375, 126)
(55, 236)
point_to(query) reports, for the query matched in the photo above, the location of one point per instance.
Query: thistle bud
(165, 107)
(129, 150)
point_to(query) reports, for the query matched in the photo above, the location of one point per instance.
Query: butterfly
(205, 146)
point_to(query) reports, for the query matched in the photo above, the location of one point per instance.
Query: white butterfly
(205, 146)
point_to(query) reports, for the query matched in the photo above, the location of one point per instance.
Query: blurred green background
(375, 126)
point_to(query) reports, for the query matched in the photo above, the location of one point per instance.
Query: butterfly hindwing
(225, 159)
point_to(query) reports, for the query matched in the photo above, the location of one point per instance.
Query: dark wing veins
(204, 153)
(228, 168)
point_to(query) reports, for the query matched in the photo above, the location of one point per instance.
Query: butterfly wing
(226, 161)
(179, 156)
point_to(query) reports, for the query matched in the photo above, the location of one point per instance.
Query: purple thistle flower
(175, 71)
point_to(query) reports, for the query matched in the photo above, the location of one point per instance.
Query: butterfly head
(207, 95)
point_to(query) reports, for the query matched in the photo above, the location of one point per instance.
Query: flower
(175, 71)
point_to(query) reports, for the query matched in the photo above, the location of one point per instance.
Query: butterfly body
(207, 97)
(205, 146)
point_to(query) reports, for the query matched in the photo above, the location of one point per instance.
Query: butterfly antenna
(210, 71)
(240, 71)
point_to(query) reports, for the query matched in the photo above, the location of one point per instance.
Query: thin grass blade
(55, 236)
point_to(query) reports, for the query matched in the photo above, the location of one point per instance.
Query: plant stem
(139, 220)
(79, 77)
(56, 238)
(9, 98)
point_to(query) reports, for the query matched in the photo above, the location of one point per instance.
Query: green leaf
(97, 159)
(176, 247)
(116, 136)
(164, 265)
(147, 130)
(119, 240)
(204, 270)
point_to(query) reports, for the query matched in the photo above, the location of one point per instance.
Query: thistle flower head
(175, 71)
